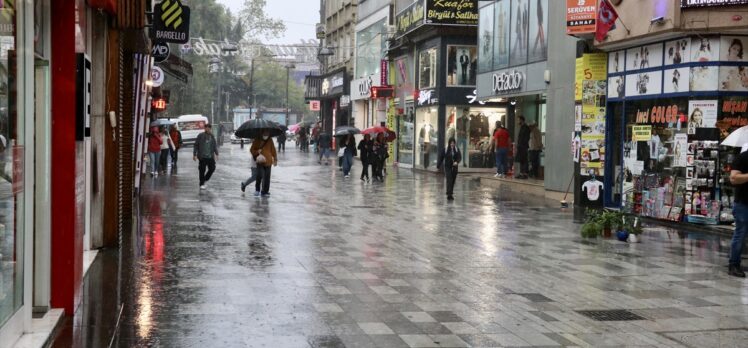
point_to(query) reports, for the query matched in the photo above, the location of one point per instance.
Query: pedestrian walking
(450, 158)
(380, 156)
(253, 172)
(282, 142)
(536, 147)
(166, 149)
(365, 152)
(739, 179)
(266, 157)
(523, 146)
(502, 143)
(176, 139)
(349, 152)
(324, 141)
(154, 150)
(206, 151)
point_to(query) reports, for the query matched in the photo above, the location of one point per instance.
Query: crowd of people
(163, 146)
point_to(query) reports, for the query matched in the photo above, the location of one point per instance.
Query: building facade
(370, 47)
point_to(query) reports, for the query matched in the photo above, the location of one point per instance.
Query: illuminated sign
(507, 81)
(382, 92)
(159, 104)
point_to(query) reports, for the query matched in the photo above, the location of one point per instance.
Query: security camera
(657, 20)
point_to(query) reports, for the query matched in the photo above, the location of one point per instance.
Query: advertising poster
(486, 38)
(678, 51)
(615, 61)
(577, 118)
(704, 78)
(680, 151)
(462, 62)
(733, 78)
(502, 40)
(641, 133)
(646, 83)
(733, 114)
(732, 49)
(519, 26)
(594, 99)
(676, 80)
(616, 87)
(704, 49)
(538, 30)
(580, 16)
(644, 57)
(701, 114)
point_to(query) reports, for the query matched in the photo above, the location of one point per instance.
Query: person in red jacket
(502, 143)
(154, 149)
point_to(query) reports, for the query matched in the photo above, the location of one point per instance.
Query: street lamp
(288, 73)
(215, 67)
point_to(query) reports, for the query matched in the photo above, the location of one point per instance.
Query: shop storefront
(334, 101)
(670, 105)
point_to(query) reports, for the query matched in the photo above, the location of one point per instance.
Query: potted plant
(633, 227)
(591, 229)
(609, 220)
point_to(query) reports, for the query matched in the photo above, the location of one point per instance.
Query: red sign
(159, 104)
(382, 92)
(383, 73)
(18, 153)
(580, 16)
(314, 105)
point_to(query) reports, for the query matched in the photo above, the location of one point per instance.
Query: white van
(190, 126)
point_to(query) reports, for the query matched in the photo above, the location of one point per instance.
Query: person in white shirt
(166, 146)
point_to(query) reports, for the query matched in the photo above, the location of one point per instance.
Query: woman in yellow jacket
(263, 151)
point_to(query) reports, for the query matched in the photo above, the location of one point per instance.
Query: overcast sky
(300, 17)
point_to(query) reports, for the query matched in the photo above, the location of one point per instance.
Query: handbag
(341, 152)
(261, 159)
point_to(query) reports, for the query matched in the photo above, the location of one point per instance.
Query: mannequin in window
(464, 64)
(426, 135)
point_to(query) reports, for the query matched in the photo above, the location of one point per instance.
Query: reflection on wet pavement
(334, 262)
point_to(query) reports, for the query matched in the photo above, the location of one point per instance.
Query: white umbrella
(737, 138)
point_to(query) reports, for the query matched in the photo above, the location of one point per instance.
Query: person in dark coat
(349, 146)
(324, 142)
(380, 156)
(450, 158)
(523, 146)
(282, 142)
(365, 152)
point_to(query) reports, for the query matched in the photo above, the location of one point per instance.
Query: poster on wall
(733, 78)
(538, 30)
(732, 49)
(461, 65)
(678, 51)
(616, 87)
(646, 83)
(578, 118)
(733, 114)
(704, 78)
(486, 38)
(676, 80)
(701, 114)
(615, 61)
(644, 57)
(704, 49)
(680, 150)
(519, 29)
(502, 38)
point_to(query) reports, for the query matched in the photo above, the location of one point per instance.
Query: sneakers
(243, 187)
(736, 271)
(202, 187)
(257, 193)
(265, 195)
(497, 175)
(347, 176)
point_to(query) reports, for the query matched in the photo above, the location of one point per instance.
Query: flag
(606, 19)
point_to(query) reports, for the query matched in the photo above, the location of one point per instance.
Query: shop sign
(580, 16)
(711, 3)
(642, 133)
(452, 12)
(383, 72)
(345, 100)
(507, 81)
(157, 76)
(361, 88)
(659, 114)
(425, 97)
(160, 52)
(171, 22)
(472, 98)
(314, 105)
(333, 85)
(410, 18)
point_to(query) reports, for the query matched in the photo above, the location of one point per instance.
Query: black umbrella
(346, 130)
(254, 128)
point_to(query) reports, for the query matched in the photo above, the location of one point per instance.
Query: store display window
(427, 68)
(462, 62)
(427, 138)
(472, 128)
(406, 131)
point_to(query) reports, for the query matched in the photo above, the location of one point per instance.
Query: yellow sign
(642, 133)
(172, 12)
(578, 79)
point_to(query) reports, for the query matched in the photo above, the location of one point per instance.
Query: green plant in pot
(593, 225)
(609, 220)
(633, 226)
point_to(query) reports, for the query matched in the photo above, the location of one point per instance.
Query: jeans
(740, 211)
(155, 160)
(210, 164)
(251, 178)
(262, 184)
(501, 160)
(535, 163)
(174, 156)
(324, 152)
(462, 144)
(365, 170)
(347, 163)
(164, 159)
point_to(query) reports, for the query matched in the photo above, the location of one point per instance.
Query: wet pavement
(333, 262)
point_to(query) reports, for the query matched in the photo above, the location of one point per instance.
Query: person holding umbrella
(365, 151)
(380, 155)
(154, 150)
(264, 153)
(349, 151)
(451, 158)
(206, 151)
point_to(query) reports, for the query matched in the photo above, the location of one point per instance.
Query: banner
(580, 16)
